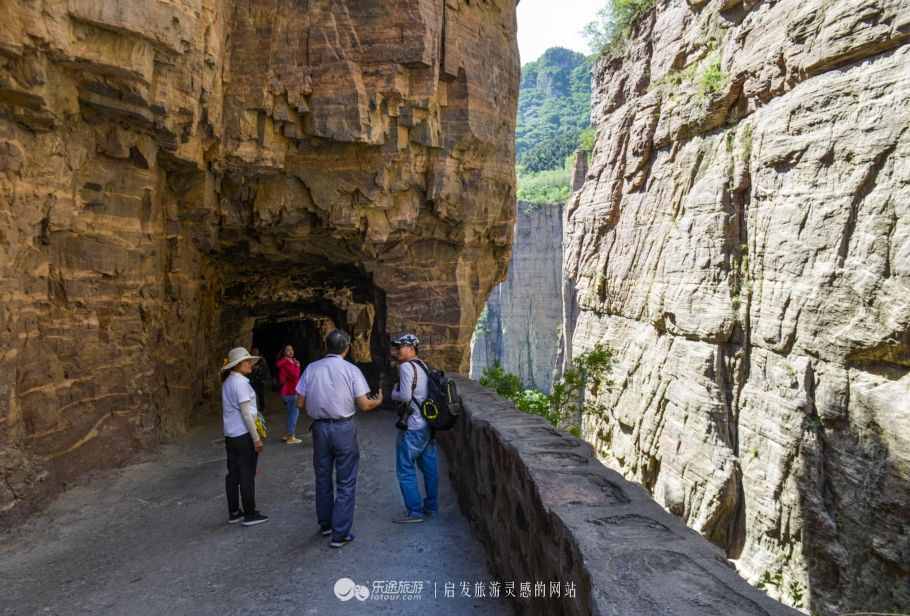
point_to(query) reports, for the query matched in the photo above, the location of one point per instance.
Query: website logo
(346, 589)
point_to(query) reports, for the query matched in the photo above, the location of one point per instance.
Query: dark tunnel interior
(279, 306)
(304, 326)
(271, 336)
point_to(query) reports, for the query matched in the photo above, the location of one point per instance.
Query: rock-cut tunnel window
(305, 334)
(308, 309)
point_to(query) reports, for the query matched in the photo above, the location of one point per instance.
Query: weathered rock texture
(579, 170)
(743, 244)
(547, 510)
(521, 323)
(170, 172)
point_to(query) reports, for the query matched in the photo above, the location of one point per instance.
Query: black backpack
(443, 404)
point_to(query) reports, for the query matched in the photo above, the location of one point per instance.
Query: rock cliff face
(521, 323)
(742, 243)
(171, 172)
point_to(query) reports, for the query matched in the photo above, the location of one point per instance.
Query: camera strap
(413, 388)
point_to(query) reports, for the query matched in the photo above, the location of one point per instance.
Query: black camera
(402, 423)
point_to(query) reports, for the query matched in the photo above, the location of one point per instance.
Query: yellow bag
(262, 428)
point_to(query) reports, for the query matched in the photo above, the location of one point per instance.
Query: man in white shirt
(416, 447)
(332, 390)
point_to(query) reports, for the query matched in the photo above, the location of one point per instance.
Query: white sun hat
(237, 355)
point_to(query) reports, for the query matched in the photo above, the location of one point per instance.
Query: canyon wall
(521, 322)
(742, 243)
(170, 172)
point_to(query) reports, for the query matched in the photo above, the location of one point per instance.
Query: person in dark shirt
(259, 378)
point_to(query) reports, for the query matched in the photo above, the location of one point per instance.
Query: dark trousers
(241, 475)
(335, 449)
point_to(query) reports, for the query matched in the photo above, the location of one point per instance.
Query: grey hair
(338, 341)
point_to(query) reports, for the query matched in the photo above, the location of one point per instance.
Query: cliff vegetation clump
(607, 33)
(568, 403)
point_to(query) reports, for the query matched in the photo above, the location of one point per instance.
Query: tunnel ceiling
(264, 287)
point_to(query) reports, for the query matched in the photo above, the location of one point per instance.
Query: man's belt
(334, 420)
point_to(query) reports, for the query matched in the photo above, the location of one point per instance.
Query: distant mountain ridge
(554, 107)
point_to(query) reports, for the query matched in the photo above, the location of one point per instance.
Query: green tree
(543, 187)
(586, 139)
(550, 154)
(613, 23)
(567, 404)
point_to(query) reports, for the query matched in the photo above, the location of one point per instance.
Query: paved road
(153, 539)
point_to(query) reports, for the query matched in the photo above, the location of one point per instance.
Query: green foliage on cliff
(504, 383)
(586, 139)
(483, 322)
(509, 386)
(565, 406)
(554, 107)
(550, 186)
(613, 23)
(712, 78)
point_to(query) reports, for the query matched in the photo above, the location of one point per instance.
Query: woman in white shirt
(241, 439)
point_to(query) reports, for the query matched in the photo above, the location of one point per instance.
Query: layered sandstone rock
(170, 172)
(521, 323)
(742, 243)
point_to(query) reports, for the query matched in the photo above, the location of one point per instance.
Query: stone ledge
(546, 509)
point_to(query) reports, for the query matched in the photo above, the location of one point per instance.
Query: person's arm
(365, 403)
(246, 411)
(300, 390)
(402, 393)
(361, 390)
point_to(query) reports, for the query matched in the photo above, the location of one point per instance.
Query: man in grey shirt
(331, 390)
(416, 447)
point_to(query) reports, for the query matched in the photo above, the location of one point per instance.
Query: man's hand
(368, 402)
(258, 446)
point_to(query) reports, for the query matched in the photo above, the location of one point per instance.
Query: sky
(553, 23)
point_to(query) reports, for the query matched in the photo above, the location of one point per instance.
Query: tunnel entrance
(277, 306)
(306, 334)
(306, 331)
(270, 337)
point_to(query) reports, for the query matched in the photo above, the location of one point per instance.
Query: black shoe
(409, 519)
(342, 542)
(235, 517)
(253, 520)
(325, 531)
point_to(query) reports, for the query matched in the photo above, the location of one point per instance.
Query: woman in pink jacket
(288, 375)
